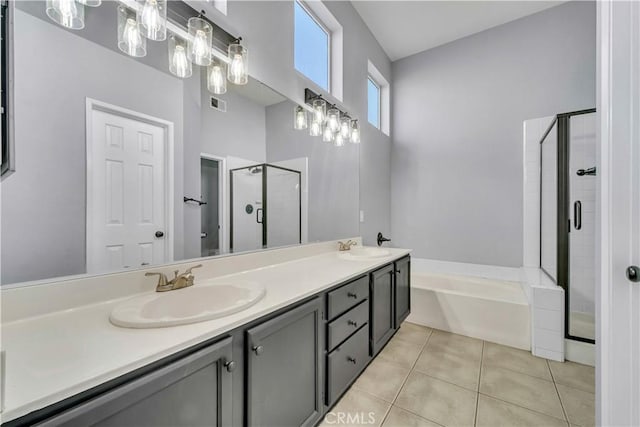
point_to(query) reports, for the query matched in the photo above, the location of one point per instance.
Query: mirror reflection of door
(210, 213)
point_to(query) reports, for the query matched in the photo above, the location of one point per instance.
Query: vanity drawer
(346, 362)
(347, 296)
(345, 325)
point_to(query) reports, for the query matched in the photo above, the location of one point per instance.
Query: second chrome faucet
(183, 280)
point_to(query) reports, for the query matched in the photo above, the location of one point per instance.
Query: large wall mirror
(119, 164)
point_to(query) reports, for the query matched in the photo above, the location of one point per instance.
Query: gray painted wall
(457, 128)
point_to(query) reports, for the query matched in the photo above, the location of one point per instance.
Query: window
(311, 46)
(373, 96)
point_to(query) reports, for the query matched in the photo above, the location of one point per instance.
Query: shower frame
(563, 130)
(264, 201)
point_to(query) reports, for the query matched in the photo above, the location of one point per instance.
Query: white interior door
(126, 209)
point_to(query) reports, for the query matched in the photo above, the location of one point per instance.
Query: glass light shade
(130, 39)
(179, 64)
(90, 3)
(300, 118)
(67, 13)
(238, 70)
(152, 19)
(319, 110)
(338, 141)
(217, 77)
(327, 134)
(315, 129)
(355, 132)
(333, 119)
(200, 38)
(345, 127)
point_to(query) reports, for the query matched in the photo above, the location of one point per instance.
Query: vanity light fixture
(334, 125)
(130, 39)
(315, 129)
(200, 39)
(333, 118)
(338, 141)
(345, 127)
(152, 19)
(217, 77)
(319, 110)
(355, 132)
(300, 118)
(67, 13)
(179, 64)
(327, 134)
(238, 70)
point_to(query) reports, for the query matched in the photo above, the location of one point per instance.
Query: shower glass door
(247, 209)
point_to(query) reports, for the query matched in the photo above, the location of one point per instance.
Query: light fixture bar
(178, 30)
(310, 96)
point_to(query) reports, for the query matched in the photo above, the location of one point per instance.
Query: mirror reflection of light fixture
(327, 134)
(338, 140)
(90, 3)
(217, 77)
(333, 119)
(300, 118)
(355, 132)
(179, 64)
(130, 39)
(315, 129)
(200, 39)
(152, 19)
(238, 69)
(67, 13)
(345, 127)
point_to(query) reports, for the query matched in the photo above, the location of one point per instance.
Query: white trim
(580, 352)
(95, 105)
(223, 196)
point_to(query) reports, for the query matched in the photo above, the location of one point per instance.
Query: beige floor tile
(574, 375)
(401, 352)
(382, 379)
(411, 332)
(436, 400)
(516, 360)
(457, 344)
(496, 413)
(523, 390)
(398, 417)
(357, 408)
(450, 366)
(579, 405)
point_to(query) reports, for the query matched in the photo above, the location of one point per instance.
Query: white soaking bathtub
(492, 310)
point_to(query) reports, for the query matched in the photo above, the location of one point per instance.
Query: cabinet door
(382, 307)
(402, 291)
(284, 368)
(193, 391)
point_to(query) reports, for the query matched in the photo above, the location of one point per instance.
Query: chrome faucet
(346, 245)
(183, 280)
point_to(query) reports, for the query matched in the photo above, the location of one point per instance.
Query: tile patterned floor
(426, 377)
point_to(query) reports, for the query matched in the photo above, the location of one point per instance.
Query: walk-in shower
(266, 207)
(567, 216)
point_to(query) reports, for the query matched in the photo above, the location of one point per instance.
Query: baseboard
(580, 352)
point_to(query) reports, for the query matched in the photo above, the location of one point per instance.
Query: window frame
(329, 34)
(379, 112)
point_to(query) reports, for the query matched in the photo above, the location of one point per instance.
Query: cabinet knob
(352, 323)
(230, 365)
(351, 359)
(352, 295)
(258, 350)
(398, 271)
(633, 273)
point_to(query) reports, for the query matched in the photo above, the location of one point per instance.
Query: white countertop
(57, 355)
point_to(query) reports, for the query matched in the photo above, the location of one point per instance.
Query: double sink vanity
(275, 341)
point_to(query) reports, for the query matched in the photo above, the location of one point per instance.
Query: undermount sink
(194, 304)
(364, 253)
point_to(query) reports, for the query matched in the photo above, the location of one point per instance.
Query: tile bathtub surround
(423, 377)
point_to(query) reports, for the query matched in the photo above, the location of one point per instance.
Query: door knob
(159, 234)
(258, 350)
(633, 273)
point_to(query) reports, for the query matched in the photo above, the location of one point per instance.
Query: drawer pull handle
(351, 359)
(398, 271)
(231, 366)
(258, 350)
(352, 323)
(352, 295)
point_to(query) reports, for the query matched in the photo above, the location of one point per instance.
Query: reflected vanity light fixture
(217, 77)
(200, 39)
(338, 140)
(345, 127)
(68, 13)
(152, 19)
(238, 69)
(333, 118)
(300, 118)
(334, 125)
(315, 129)
(130, 39)
(90, 3)
(319, 110)
(179, 64)
(355, 132)
(327, 134)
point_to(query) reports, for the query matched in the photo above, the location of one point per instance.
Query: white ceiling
(406, 27)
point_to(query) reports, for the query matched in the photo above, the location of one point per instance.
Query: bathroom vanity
(288, 366)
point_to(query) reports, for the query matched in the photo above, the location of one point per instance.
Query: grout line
(475, 417)
(566, 418)
(523, 407)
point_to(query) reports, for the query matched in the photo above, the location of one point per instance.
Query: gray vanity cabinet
(402, 290)
(192, 391)
(284, 368)
(382, 316)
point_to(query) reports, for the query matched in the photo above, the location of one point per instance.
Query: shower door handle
(577, 215)
(259, 215)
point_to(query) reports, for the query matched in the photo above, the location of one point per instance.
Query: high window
(373, 98)
(312, 46)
